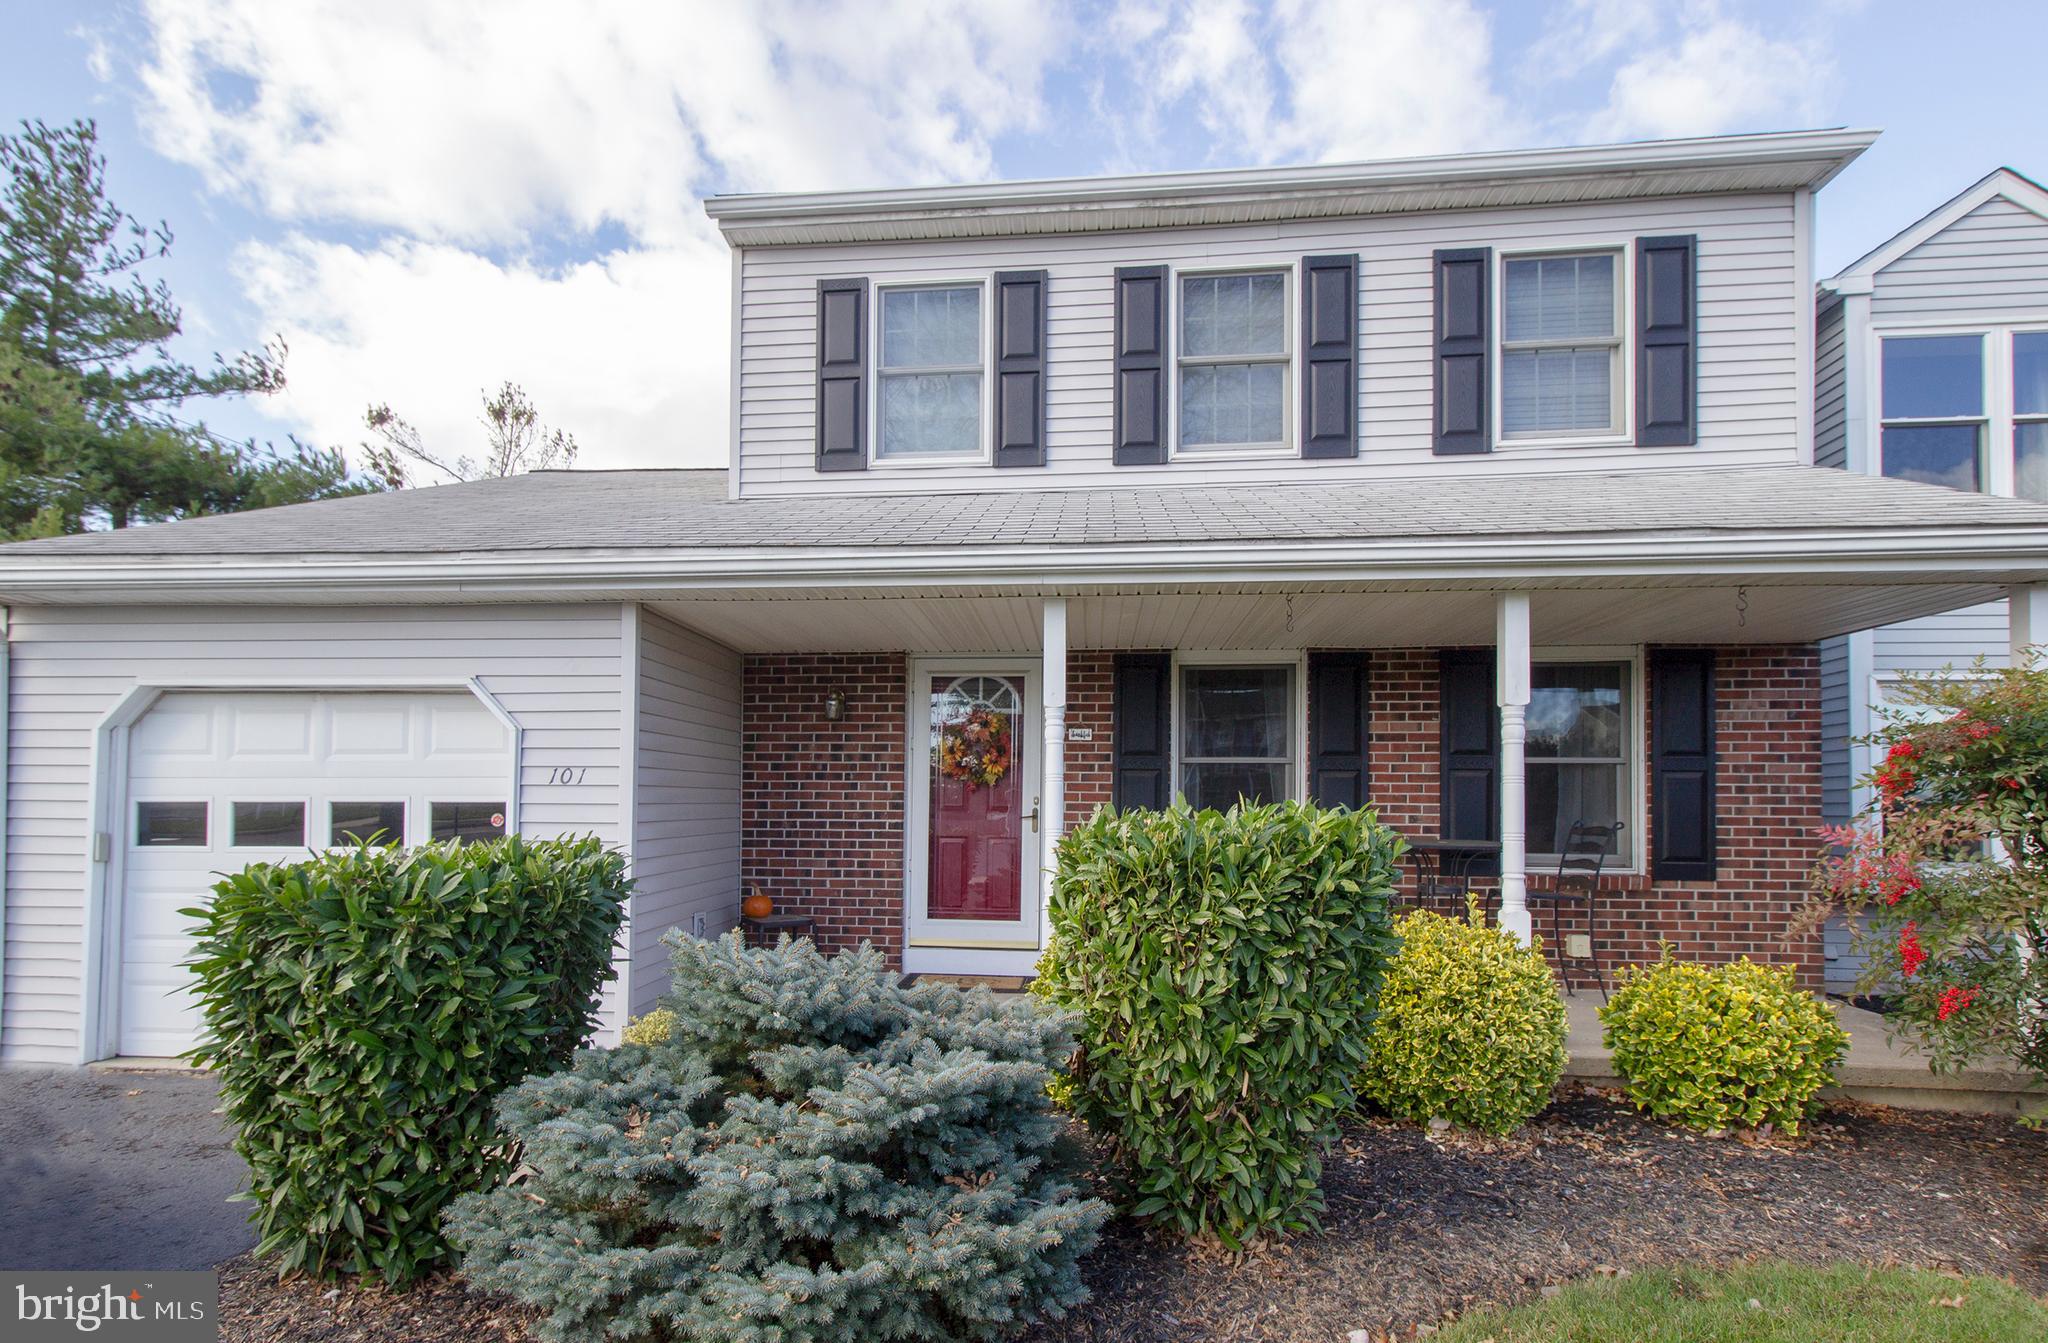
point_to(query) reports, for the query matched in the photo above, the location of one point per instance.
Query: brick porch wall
(1767, 736)
(823, 812)
(821, 815)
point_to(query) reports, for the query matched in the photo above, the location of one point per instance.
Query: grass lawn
(1768, 1303)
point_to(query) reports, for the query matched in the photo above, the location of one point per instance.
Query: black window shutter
(1329, 344)
(1340, 728)
(1140, 365)
(1682, 818)
(842, 375)
(1469, 734)
(1464, 405)
(1020, 367)
(1141, 730)
(1666, 322)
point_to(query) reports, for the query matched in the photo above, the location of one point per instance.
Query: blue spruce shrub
(812, 1153)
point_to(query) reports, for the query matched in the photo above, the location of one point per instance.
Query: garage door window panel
(167, 825)
(353, 823)
(269, 825)
(467, 821)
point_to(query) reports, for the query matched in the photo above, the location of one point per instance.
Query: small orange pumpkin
(757, 905)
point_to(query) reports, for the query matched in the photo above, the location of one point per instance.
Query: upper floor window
(1234, 360)
(929, 400)
(2030, 414)
(1561, 346)
(1933, 410)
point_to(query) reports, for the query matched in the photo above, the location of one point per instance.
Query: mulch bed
(1421, 1226)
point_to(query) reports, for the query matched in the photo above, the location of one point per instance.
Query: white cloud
(1719, 74)
(455, 135)
(626, 351)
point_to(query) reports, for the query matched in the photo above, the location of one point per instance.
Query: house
(1479, 489)
(1932, 366)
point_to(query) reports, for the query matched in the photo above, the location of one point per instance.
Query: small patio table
(1444, 866)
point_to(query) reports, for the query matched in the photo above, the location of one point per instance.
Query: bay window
(1561, 346)
(1236, 734)
(1233, 356)
(929, 372)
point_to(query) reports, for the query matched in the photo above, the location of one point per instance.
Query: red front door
(977, 810)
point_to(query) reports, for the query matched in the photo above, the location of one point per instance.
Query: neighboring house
(1933, 367)
(1478, 489)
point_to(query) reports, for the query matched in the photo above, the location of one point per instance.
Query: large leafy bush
(1724, 1046)
(1470, 1026)
(811, 1152)
(364, 1008)
(1953, 930)
(1225, 966)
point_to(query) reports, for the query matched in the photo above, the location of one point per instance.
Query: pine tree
(816, 1153)
(92, 424)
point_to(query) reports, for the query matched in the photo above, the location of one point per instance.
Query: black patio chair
(1586, 848)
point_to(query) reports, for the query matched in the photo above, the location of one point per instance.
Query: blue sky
(425, 197)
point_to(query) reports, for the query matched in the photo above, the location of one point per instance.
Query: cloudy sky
(425, 197)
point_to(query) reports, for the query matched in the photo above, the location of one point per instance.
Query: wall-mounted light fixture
(835, 707)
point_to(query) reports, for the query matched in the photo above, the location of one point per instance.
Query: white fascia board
(1872, 556)
(1808, 159)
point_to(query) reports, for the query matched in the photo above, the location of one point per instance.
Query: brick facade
(824, 808)
(821, 813)
(1767, 739)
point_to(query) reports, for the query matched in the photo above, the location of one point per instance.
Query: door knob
(1032, 816)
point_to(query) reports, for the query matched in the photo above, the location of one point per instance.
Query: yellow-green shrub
(653, 1029)
(1722, 1046)
(1470, 1026)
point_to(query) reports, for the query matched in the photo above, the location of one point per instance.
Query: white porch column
(1052, 784)
(2029, 623)
(1511, 659)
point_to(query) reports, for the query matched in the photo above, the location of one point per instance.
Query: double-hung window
(2030, 414)
(1561, 346)
(1234, 353)
(1236, 734)
(1579, 751)
(1932, 407)
(930, 372)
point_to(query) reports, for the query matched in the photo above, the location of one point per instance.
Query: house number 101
(568, 773)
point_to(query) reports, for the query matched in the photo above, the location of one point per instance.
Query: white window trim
(1624, 432)
(1288, 269)
(1635, 806)
(985, 452)
(1997, 467)
(1297, 709)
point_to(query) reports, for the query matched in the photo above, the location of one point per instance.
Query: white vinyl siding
(1750, 337)
(1989, 266)
(686, 844)
(555, 669)
(1830, 394)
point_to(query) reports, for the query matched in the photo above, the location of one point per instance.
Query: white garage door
(219, 780)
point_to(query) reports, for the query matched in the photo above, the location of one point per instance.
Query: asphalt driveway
(116, 1170)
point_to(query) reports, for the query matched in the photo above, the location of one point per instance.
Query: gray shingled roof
(613, 510)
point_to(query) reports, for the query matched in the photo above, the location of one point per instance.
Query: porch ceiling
(1280, 618)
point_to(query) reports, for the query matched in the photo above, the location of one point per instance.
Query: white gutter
(1869, 556)
(1822, 153)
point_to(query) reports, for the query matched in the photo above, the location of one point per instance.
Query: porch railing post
(1511, 656)
(1052, 785)
(2028, 603)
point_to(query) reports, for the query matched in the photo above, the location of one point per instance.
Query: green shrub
(1725, 1046)
(651, 1029)
(1470, 1026)
(814, 1153)
(364, 1007)
(1225, 966)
